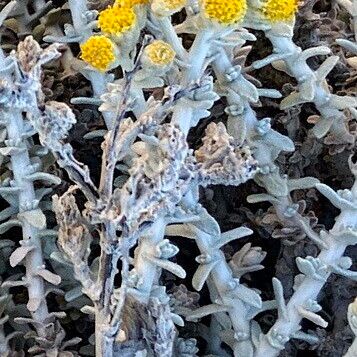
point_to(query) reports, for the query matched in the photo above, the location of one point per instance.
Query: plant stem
(20, 163)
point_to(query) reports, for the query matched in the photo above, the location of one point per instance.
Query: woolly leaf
(35, 218)
(10, 190)
(314, 51)
(73, 294)
(291, 100)
(255, 333)
(58, 314)
(13, 283)
(6, 10)
(167, 265)
(243, 348)
(25, 321)
(302, 183)
(4, 227)
(312, 267)
(177, 320)
(95, 134)
(309, 338)
(180, 230)
(348, 45)
(233, 234)
(19, 254)
(249, 296)
(206, 310)
(307, 89)
(269, 93)
(280, 141)
(202, 274)
(334, 198)
(90, 310)
(207, 224)
(48, 276)
(326, 67)
(150, 82)
(8, 150)
(279, 297)
(42, 176)
(33, 304)
(247, 90)
(8, 212)
(343, 102)
(311, 316)
(262, 197)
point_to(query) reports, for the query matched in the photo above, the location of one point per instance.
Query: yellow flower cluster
(159, 53)
(279, 10)
(99, 52)
(225, 12)
(116, 20)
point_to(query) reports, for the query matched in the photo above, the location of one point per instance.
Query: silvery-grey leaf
(19, 254)
(48, 276)
(35, 218)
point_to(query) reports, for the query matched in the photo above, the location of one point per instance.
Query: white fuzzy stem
(301, 71)
(182, 115)
(222, 277)
(149, 272)
(309, 289)
(20, 162)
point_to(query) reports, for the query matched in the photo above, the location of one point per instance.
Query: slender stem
(144, 268)
(222, 277)
(20, 162)
(309, 289)
(182, 115)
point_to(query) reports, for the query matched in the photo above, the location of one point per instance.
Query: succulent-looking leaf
(4, 227)
(180, 230)
(206, 310)
(167, 265)
(309, 338)
(326, 67)
(233, 234)
(248, 295)
(311, 316)
(19, 254)
(302, 183)
(50, 277)
(279, 297)
(33, 304)
(201, 274)
(334, 198)
(35, 218)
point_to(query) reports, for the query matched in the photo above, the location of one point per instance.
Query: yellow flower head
(100, 52)
(225, 12)
(279, 10)
(130, 3)
(116, 20)
(167, 7)
(159, 53)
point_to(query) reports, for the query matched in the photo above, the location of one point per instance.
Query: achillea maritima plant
(188, 163)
